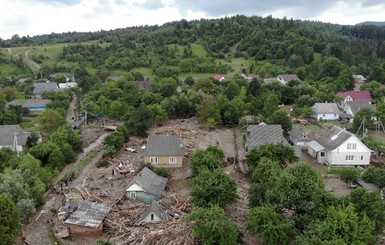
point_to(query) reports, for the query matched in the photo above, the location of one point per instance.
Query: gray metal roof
(315, 146)
(89, 214)
(164, 145)
(368, 186)
(355, 106)
(159, 209)
(258, 135)
(150, 182)
(48, 86)
(7, 135)
(289, 77)
(146, 85)
(334, 138)
(326, 108)
(28, 103)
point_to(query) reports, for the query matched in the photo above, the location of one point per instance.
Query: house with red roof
(219, 78)
(358, 96)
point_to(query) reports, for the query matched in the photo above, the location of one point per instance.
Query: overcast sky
(35, 17)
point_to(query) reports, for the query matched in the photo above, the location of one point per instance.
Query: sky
(36, 17)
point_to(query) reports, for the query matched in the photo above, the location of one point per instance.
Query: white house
(285, 78)
(339, 147)
(14, 137)
(326, 111)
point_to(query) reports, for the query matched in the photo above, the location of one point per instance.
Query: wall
(163, 161)
(78, 230)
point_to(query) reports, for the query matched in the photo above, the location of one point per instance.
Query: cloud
(149, 4)
(53, 2)
(371, 3)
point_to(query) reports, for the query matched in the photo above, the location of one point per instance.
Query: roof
(355, 106)
(160, 209)
(326, 108)
(48, 86)
(89, 214)
(146, 85)
(150, 182)
(334, 138)
(7, 135)
(356, 95)
(315, 146)
(218, 77)
(258, 135)
(368, 186)
(30, 103)
(270, 80)
(164, 145)
(289, 77)
(297, 132)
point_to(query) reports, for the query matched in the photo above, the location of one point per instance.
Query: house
(39, 88)
(250, 77)
(270, 80)
(143, 85)
(34, 106)
(258, 135)
(339, 147)
(164, 151)
(285, 78)
(14, 137)
(146, 186)
(299, 136)
(87, 220)
(352, 107)
(326, 111)
(157, 212)
(219, 78)
(362, 96)
(67, 85)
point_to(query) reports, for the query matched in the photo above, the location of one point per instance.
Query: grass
(78, 168)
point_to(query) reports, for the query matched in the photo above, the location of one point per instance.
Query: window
(352, 146)
(133, 195)
(349, 158)
(362, 158)
(322, 154)
(172, 160)
(154, 160)
(152, 216)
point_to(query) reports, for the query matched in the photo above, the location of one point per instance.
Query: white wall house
(339, 148)
(326, 111)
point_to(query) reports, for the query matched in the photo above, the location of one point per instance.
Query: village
(124, 201)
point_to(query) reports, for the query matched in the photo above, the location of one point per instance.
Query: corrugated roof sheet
(326, 108)
(334, 138)
(258, 135)
(150, 182)
(89, 214)
(7, 135)
(48, 86)
(315, 146)
(356, 95)
(164, 145)
(28, 103)
(355, 106)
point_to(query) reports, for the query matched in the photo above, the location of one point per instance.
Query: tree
(375, 175)
(332, 67)
(208, 109)
(281, 118)
(49, 121)
(254, 88)
(140, 121)
(362, 120)
(270, 225)
(270, 105)
(275, 152)
(211, 158)
(349, 174)
(213, 188)
(266, 171)
(371, 205)
(166, 87)
(9, 220)
(300, 191)
(342, 225)
(212, 226)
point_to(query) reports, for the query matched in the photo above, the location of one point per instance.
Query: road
(32, 64)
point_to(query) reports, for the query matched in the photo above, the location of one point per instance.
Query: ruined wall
(78, 230)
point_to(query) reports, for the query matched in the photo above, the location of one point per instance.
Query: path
(38, 230)
(32, 64)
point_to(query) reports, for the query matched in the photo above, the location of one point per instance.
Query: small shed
(88, 218)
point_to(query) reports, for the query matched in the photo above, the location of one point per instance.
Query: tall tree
(213, 227)
(9, 220)
(50, 121)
